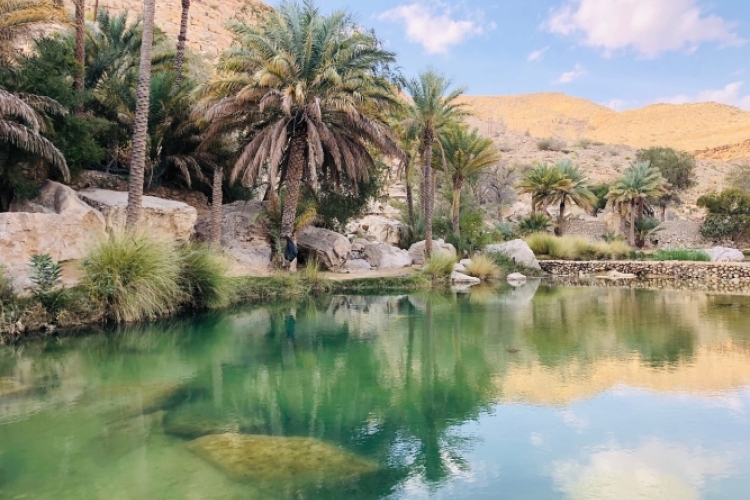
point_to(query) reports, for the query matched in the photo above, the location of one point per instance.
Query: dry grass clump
(439, 266)
(575, 247)
(483, 267)
(550, 144)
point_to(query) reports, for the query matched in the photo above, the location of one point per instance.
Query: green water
(612, 394)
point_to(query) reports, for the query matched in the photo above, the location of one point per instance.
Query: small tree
(677, 167)
(640, 183)
(728, 215)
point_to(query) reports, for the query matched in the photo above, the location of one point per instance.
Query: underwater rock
(128, 400)
(193, 421)
(270, 459)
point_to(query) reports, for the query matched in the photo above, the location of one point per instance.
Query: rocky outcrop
(330, 248)
(438, 247)
(167, 219)
(385, 256)
(377, 228)
(721, 254)
(518, 251)
(57, 223)
(243, 237)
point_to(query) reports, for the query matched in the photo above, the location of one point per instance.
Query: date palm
(574, 190)
(80, 42)
(466, 154)
(181, 41)
(639, 183)
(433, 110)
(138, 155)
(542, 182)
(20, 18)
(305, 94)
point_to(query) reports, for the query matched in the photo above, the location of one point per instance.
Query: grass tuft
(683, 254)
(204, 278)
(483, 267)
(439, 266)
(575, 247)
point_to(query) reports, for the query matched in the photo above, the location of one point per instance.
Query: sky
(619, 53)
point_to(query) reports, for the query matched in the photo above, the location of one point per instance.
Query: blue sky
(621, 53)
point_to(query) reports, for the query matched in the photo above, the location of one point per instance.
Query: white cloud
(732, 95)
(434, 26)
(570, 76)
(537, 55)
(649, 27)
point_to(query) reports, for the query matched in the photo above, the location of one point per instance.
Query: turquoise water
(611, 394)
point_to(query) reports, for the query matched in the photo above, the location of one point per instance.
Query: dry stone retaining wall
(736, 272)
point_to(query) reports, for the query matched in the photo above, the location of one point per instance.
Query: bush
(550, 144)
(133, 277)
(204, 279)
(46, 275)
(439, 266)
(600, 191)
(483, 267)
(534, 223)
(729, 215)
(7, 295)
(612, 250)
(575, 247)
(687, 254)
(677, 167)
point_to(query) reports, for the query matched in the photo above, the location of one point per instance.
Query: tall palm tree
(410, 143)
(181, 41)
(80, 43)
(639, 183)
(138, 155)
(19, 19)
(306, 92)
(542, 182)
(466, 153)
(574, 190)
(434, 108)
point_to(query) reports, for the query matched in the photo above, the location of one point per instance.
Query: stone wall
(737, 272)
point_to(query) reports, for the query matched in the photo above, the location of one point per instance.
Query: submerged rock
(127, 400)
(269, 459)
(193, 421)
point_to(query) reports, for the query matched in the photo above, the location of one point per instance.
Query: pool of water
(540, 392)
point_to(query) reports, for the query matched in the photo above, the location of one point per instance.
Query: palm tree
(80, 45)
(639, 183)
(574, 190)
(410, 143)
(181, 40)
(138, 155)
(434, 108)
(466, 153)
(19, 19)
(306, 93)
(542, 182)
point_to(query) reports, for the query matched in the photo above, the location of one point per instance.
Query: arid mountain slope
(207, 34)
(712, 131)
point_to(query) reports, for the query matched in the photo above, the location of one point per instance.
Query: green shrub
(600, 191)
(46, 276)
(534, 223)
(204, 279)
(677, 167)
(687, 254)
(133, 277)
(6, 287)
(313, 278)
(729, 215)
(439, 266)
(483, 267)
(550, 144)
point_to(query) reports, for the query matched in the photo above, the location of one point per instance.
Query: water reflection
(542, 391)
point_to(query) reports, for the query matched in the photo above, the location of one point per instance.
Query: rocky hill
(710, 130)
(207, 34)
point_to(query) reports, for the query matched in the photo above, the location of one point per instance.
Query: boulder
(357, 265)
(465, 262)
(378, 228)
(168, 219)
(460, 268)
(516, 279)
(279, 460)
(385, 256)
(463, 279)
(722, 254)
(417, 250)
(330, 248)
(57, 223)
(516, 250)
(243, 237)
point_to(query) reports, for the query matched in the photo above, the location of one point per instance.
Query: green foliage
(686, 254)
(204, 277)
(7, 295)
(600, 191)
(475, 234)
(439, 266)
(575, 248)
(550, 144)
(728, 215)
(739, 177)
(645, 227)
(336, 207)
(46, 276)
(506, 231)
(133, 277)
(677, 167)
(534, 223)
(483, 267)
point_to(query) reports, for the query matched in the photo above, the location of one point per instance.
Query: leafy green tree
(306, 94)
(466, 153)
(728, 215)
(600, 191)
(640, 183)
(434, 109)
(677, 167)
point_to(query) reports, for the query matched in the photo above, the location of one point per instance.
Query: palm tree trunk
(181, 40)
(561, 218)
(664, 213)
(458, 184)
(423, 190)
(293, 181)
(80, 47)
(216, 211)
(632, 222)
(428, 194)
(96, 10)
(138, 155)
(409, 193)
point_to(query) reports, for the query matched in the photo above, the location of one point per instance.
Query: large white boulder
(516, 250)
(464, 279)
(167, 219)
(722, 254)
(377, 228)
(417, 250)
(57, 223)
(330, 248)
(385, 256)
